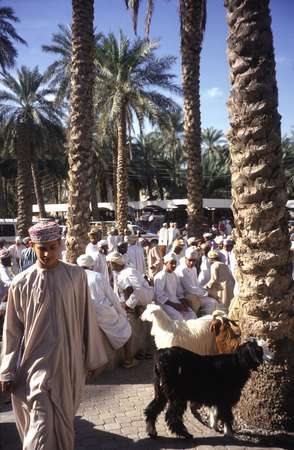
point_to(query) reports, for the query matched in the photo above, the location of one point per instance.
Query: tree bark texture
(81, 127)
(38, 190)
(94, 200)
(265, 301)
(192, 18)
(122, 173)
(24, 196)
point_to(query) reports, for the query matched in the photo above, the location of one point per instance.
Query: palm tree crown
(8, 53)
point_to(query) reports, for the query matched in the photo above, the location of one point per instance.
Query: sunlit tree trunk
(192, 16)
(81, 127)
(264, 305)
(122, 173)
(38, 190)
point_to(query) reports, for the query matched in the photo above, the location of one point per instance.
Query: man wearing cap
(178, 249)
(15, 253)
(221, 283)
(100, 259)
(190, 288)
(111, 316)
(167, 291)
(50, 341)
(135, 254)
(95, 236)
(228, 256)
(133, 289)
(28, 256)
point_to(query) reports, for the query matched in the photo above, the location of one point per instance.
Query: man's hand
(7, 386)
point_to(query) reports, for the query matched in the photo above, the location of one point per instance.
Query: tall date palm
(8, 38)
(264, 304)
(81, 126)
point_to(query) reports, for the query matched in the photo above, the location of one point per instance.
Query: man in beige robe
(50, 342)
(221, 283)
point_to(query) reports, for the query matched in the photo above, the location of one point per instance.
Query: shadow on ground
(141, 374)
(89, 437)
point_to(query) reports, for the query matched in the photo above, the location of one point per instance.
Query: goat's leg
(213, 416)
(155, 407)
(174, 418)
(225, 414)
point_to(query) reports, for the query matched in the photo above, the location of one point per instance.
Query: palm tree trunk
(192, 17)
(81, 127)
(122, 173)
(265, 302)
(24, 196)
(38, 190)
(94, 200)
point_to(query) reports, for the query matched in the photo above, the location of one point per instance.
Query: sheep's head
(150, 309)
(227, 333)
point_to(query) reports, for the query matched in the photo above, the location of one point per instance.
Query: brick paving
(111, 417)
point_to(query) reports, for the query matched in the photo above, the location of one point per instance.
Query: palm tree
(125, 80)
(193, 19)
(59, 71)
(8, 36)
(31, 124)
(265, 300)
(212, 139)
(81, 126)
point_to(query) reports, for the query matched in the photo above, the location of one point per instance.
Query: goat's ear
(215, 326)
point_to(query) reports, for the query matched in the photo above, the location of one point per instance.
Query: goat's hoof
(228, 432)
(187, 436)
(151, 431)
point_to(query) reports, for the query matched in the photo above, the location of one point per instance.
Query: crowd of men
(54, 311)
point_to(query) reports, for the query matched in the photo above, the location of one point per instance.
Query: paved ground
(110, 417)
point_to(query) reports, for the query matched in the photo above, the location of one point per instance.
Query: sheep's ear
(215, 326)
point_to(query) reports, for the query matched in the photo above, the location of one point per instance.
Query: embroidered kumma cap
(44, 232)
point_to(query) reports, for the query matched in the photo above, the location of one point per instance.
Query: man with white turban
(228, 256)
(111, 316)
(50, 342)
(163, 239)
(135, 254)
(221, 283)
(100, 264)
(133, 289)
(167, 291)
(190, 288)
(95, 235)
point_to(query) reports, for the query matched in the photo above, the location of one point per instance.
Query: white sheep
(207, 335)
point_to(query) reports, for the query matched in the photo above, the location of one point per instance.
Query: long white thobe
(205, 271)
(101, 265)
(111, 316)
(167, 288)
(15, 253)
(190, 286)
(221, 283)
(142, 293)
(112, 243)
(163, 236)
(92, 250)
(50, 341)
(230, 260)
(135, 254)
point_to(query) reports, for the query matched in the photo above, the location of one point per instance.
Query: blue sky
(39, 20)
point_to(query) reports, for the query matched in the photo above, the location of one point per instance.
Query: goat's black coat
(215, 380)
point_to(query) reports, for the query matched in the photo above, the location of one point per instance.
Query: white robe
(142, 294)
(167, 288)
(111, 316)
(163, 236)
(205, 271)
(101, 265)
(92, 250)
(15, 253)
(50, 341)
(135, 255)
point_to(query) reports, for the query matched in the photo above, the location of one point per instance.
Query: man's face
(228, 247)
(211, 261)
(123, 248)
(6, 262)
(170, 266)
(178, 249)
(191, 262)
(47, 253)
(94, 238)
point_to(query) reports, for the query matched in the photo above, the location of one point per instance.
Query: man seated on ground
(190, 288)
(167, 291)
(133, 289)
(221, 283)
(111, 316)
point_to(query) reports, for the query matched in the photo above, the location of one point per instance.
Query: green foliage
(8, 36)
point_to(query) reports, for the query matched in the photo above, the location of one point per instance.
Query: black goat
(215, 381)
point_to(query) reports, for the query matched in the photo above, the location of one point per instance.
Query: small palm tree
(125, 80)
(59, 71)
(31, 124)
(8, 36)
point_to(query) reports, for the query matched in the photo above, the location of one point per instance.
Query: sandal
(129, 365)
